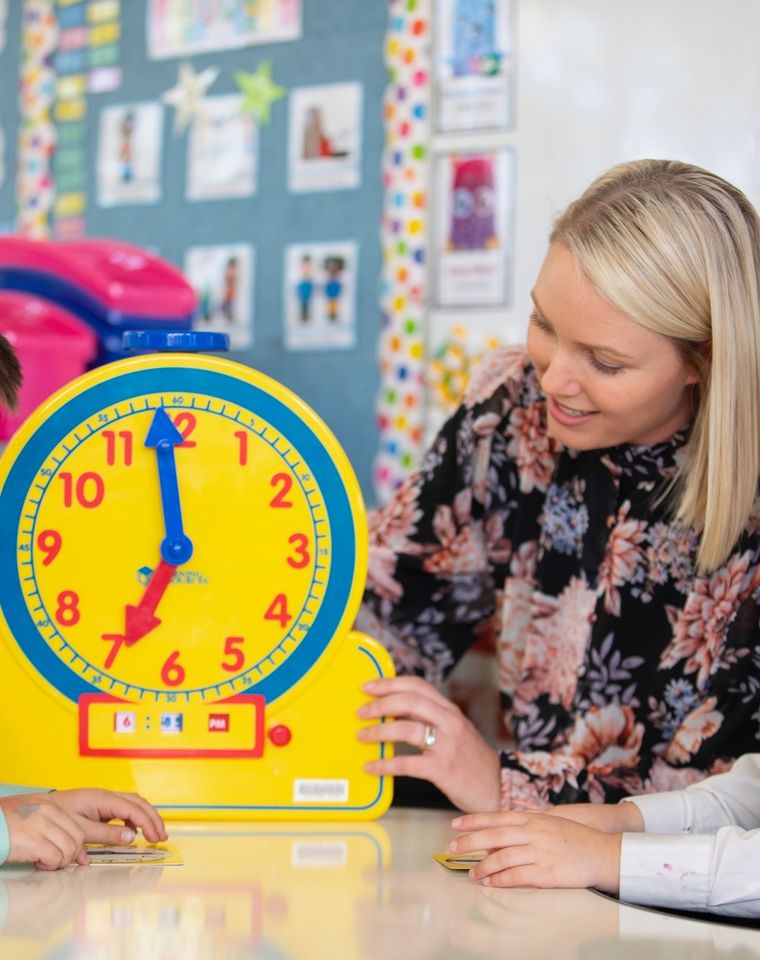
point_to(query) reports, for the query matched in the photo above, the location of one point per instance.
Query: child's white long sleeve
(701, 849)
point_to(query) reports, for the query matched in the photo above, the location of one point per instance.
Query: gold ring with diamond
(429, 737)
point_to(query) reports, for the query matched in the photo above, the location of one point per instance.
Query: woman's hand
(536, 850)
(92, 809)
(459, 761)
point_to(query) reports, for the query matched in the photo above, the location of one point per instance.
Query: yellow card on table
(154, 854)
(458, 861)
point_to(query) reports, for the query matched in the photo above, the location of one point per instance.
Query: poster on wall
(474, 64)
(180, 27)
(325, 137)
(222, 151)
(473, 231)
(320, 296)
(222, 276)
(129, 154)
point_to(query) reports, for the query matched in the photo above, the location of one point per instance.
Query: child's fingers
(489, 839)
(502, 862)
(136, 811)
(114, 833)
(55, 848)
(480, 821)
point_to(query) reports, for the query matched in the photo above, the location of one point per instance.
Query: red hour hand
(141, 619)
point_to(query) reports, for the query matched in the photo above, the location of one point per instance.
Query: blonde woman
(593, 501)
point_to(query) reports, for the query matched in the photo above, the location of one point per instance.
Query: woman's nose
(560, 376)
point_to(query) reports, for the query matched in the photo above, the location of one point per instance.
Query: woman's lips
(568, 416)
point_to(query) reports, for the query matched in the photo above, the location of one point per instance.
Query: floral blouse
(620, 670)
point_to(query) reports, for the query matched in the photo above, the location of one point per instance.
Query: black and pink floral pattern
(621, 671)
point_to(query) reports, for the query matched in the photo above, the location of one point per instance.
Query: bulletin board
(243, 142)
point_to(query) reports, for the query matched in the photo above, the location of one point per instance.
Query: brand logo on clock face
(180, 576)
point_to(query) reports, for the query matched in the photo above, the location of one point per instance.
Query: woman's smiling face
(607, 379)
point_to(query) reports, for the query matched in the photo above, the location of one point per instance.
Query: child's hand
(92, 809)
(535, 850)
(41, 832)
(607, 817)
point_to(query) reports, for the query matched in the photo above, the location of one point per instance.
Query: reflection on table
(327, 891)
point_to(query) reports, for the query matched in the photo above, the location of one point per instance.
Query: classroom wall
(591, 83)
(588, 83)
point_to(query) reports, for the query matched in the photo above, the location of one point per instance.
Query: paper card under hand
(459, 861)
(153, 854)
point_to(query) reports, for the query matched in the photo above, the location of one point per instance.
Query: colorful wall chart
(401, 350)
(87, 61)
(181, 27)
(448, 220)
(36, 138)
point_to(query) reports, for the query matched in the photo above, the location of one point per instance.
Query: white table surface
(308, 890)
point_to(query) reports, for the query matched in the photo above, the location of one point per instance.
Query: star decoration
(259, 93)
(186, 96)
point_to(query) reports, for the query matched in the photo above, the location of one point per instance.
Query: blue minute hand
(176, 548)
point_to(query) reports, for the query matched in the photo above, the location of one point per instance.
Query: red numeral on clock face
(185, 422)
(302, 556)
(242, 437)
(49, 541)
(89, 489)
(284, 481)
(67, 613)
(126, 441)
(172, 672)
(278, 610)
(232, 649)
(116, 640)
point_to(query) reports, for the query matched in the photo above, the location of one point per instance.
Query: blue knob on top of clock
(184, 341)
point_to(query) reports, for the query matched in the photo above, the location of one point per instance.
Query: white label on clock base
(320, 791)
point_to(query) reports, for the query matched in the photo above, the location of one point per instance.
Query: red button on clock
(280, 735)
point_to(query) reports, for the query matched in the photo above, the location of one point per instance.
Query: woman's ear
(698, 358)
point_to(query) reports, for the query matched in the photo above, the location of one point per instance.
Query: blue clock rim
(121, 388)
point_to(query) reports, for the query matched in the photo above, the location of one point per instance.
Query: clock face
(178, 528)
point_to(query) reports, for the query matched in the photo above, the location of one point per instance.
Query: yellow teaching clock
(183, 552)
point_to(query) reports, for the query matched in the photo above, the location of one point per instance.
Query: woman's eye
(603, 367)
(539, 322)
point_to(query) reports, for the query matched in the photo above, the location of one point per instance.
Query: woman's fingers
(452, 754)
(414, 687)
(395, 731)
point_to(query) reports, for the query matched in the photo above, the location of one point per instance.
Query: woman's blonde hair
(677, 249)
